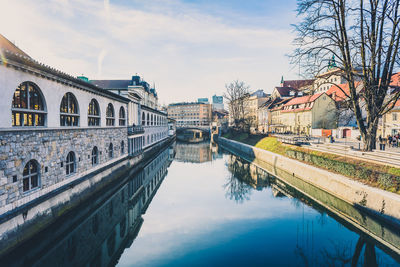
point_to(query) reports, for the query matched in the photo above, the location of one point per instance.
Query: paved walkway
(346, 148)
(358, 145)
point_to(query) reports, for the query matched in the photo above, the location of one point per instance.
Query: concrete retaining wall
(376, 201)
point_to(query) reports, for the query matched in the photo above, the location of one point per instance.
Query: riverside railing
(135, 129)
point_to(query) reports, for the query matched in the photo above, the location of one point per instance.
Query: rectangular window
(394, 116)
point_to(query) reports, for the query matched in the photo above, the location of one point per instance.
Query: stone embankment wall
(18, 225)
(376, 201)
(49, 148)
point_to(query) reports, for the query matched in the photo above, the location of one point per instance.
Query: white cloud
(187, 53)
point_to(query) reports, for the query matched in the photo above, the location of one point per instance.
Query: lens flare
(3, 58)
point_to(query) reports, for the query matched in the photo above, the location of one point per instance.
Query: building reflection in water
(104, 229)
(197, 152)
(244, 177)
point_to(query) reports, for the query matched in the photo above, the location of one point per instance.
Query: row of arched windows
(29, 109)
(31, 173)
(153, 120)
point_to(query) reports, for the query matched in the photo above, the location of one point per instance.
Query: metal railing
(135, 129)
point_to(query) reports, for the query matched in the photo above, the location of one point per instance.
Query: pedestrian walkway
(389, 157)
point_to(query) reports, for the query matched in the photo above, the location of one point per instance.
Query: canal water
(197, 205)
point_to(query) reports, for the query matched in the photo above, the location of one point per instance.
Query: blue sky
(188, 48)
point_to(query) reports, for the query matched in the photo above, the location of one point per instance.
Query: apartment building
(190, 114)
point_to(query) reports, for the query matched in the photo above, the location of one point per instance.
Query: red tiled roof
(395, 79)
(303, 99)
(7, 45)
(297, 84)
(341, 92)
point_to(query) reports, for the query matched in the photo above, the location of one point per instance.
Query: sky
(187, 48)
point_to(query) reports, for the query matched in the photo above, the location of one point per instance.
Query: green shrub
(386, 180)
(347, 169)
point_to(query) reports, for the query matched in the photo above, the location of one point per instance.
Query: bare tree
(364, 37)
(237, 94)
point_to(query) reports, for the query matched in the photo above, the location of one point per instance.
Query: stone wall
(116, 195)
(49, 147)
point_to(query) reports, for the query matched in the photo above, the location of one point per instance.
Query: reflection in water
(245, 176)
(193, 152)
(224, 212)
(99, 236)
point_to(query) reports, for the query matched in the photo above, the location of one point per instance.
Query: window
(148, 119)
(110, 151)
(95, 156)
(70, 163)
(30, 179)
(69, 111)
(394, 116)
(152, 119)
(122, 147)
(94, 113)
(122, 116)
(28, 108)
(110, 115)
(143, 119)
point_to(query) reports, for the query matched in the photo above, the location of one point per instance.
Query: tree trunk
(370, 137)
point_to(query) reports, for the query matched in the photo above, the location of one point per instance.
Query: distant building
(217, 102)
(255, 100)
(190, 114)
(135, 85)
(203, 100)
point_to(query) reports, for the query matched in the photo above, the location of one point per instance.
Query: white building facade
(54, 129)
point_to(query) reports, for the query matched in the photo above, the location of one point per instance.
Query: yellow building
(390, 122)
(275, 121)
(252, 105)
(301, 114)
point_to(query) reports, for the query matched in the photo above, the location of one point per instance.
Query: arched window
(70, 163)
(122, 147)
(30, 176)
(110, 115)
(94, 113)
(28, 107)
(143, 119)
(95, 156)
(69, 114)
(148, 119)
(122, 116)
(111, 151)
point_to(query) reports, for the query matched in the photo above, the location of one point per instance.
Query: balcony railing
(135, 129)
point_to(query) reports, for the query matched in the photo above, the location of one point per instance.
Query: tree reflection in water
(244, 177)
(238, 186)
